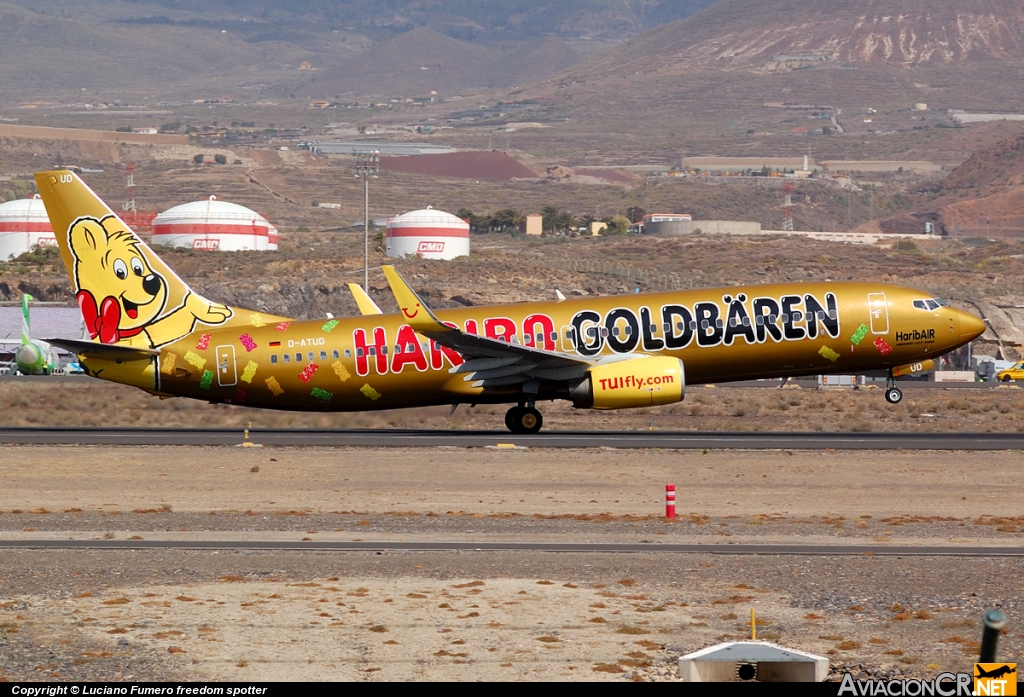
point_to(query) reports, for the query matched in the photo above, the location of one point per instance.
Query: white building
(428, 233)
(24, 225)
(213, 224)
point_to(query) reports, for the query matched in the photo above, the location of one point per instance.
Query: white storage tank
(24, 225)
(428, 233)
(212, 224)
(273, 236)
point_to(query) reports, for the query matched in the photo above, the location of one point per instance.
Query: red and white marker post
(670, 500)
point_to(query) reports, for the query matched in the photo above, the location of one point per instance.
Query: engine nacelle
(635, 382)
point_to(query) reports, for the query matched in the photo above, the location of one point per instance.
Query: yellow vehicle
(151, 330)
(1014, 372)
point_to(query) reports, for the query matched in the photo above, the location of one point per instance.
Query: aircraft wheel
(511, 418)
(529, 421)
(893, 395)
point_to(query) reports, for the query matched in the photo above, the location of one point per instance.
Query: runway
(547, 439)
(560, 547)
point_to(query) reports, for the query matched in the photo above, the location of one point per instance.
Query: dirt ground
(171, 614)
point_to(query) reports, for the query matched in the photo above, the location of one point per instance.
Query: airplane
(151, 330)
(999, 672)
(33, 356)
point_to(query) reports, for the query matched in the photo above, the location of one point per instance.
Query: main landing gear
(893, 394)
(524, 419)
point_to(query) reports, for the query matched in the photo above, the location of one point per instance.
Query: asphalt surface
(598, 548)
(545, 439)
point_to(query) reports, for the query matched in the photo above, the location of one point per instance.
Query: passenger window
(679, 326)
(554, 337)
(437, 345)
(410, 348)
(287, 358)
(323, 355)
(746, 321)
(718, 323)
(797, 316)
(785, 318)
(629, 331)
(359, 352)
(311, 356)
(298, 358)
(759, 320)
(832, 314)
(273, 359)
(704, 324)
(654, 329)
(383, 350)
(732, 321)
(335, 354)
(693, 325)
(398, 348)
(372, 350)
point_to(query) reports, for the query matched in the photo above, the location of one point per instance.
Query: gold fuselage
(720, 334)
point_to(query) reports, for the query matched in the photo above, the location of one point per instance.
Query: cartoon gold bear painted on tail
(123, 299)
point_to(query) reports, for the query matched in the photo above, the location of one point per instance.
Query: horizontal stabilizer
(108, 352)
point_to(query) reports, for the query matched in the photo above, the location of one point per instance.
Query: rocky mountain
(902, 32)
(424, 60)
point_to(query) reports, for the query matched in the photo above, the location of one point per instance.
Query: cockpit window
(941, 302)
(930, 304)
(920, 305)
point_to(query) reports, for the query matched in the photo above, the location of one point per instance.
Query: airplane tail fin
(127, 294)
(26, 331)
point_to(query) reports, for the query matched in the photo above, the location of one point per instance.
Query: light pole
(367, 166)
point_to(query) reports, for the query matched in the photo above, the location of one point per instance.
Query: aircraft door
(878, 309)
(226, 366)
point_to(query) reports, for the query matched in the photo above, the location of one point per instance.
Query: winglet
(414, 310)
(363, 302)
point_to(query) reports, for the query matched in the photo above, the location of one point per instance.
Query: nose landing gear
(893, 394)
(523, 419)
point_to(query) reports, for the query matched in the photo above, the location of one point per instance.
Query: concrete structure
(353, 147)
(214, 225)
(24, 225)
(861, 166)
(747, 164)
(429, 234)
(92, 136)
(688, 227)
(758, 661)
(534, 224)
(979, 118)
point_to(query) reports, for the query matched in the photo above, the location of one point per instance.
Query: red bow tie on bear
(103, 321)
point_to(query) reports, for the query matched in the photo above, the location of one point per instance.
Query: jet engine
(634, 382)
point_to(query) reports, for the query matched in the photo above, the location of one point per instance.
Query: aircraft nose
(970, 326)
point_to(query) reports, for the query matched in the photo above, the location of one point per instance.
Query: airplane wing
(110, 352)
(489, 362)
(363, 302)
